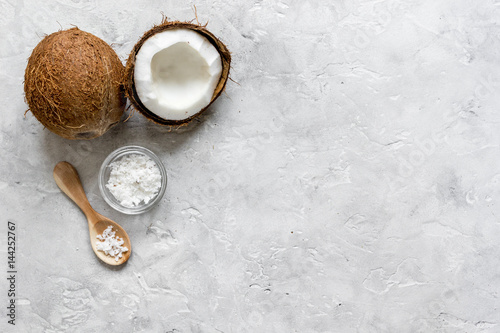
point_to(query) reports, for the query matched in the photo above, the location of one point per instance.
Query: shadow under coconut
(163, 139)
(87, 155)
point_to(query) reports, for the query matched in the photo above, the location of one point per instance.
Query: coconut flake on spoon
(176, 71)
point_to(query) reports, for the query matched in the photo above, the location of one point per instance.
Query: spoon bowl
(98, 229)
(67, 179)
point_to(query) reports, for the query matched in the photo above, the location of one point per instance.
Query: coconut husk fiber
(167, 25)
(73, 84)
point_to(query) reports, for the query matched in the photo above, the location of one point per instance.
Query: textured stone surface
(348, 181)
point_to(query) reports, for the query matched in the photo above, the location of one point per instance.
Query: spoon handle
(67, 179)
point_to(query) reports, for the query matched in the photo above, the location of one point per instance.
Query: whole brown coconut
(73, 84)
(130, 91)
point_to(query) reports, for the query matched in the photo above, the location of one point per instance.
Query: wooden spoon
(67, 179)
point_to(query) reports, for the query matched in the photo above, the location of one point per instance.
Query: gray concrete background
(347, 181)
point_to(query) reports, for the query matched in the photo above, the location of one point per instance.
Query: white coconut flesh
(176, 72)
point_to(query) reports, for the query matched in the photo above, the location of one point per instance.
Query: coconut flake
(110, 244)
(134, 178)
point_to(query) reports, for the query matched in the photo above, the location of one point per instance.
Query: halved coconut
(175, 71)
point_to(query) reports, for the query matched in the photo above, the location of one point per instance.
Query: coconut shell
(73, 84)
(166, 25)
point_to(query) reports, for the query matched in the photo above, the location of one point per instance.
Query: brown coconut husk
(167, 25)
(73, 84)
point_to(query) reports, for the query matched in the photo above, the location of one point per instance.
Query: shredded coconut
(110, 244)
(134, 179)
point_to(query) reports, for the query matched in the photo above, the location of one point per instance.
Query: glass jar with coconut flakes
(132, 179)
